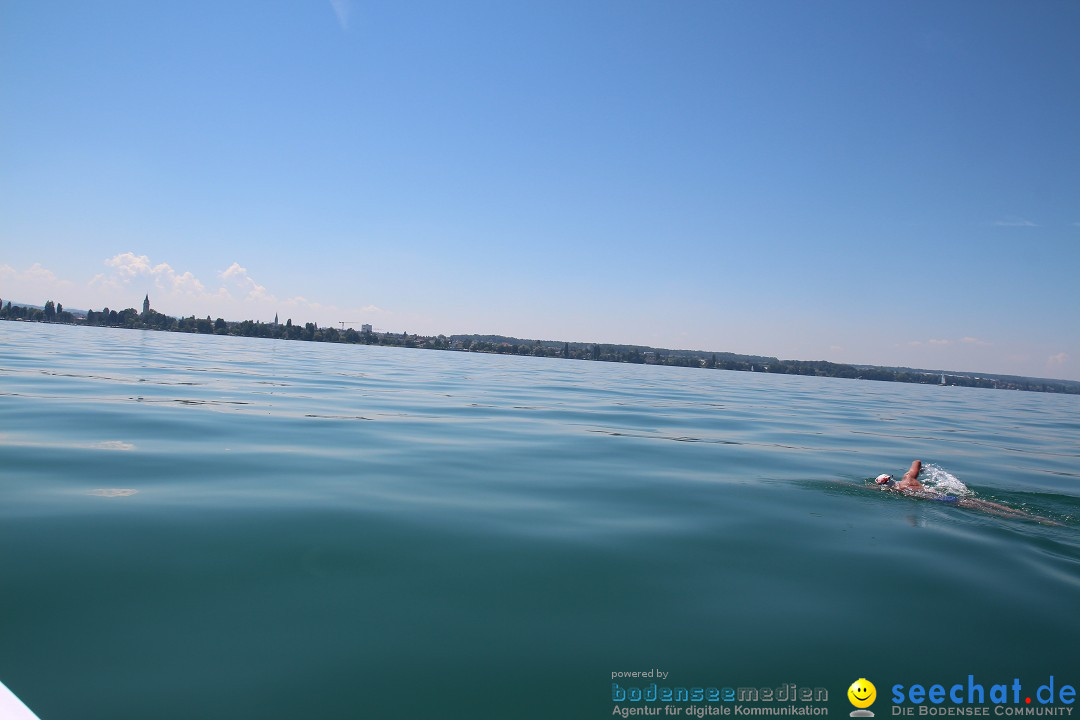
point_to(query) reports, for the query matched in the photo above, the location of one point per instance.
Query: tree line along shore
(150, 319)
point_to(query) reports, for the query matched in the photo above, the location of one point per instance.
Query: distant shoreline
(149, 319)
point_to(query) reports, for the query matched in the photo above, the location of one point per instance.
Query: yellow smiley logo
(862, 693)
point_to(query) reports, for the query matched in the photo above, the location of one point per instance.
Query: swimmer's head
(883, 479)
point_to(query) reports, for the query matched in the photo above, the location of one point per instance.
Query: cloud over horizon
(235, 295)
(18, 284)
(128, 267)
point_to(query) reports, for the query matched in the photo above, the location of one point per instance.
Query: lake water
(332, 531)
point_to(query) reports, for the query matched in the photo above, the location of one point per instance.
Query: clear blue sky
(894, 183)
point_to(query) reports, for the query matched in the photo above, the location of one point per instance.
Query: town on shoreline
(150, 319)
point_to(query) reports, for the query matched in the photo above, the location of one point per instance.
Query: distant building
(275, 320)
(365, 328)
(146, 305)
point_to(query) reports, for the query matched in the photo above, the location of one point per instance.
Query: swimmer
(910, 485)
(909, 482)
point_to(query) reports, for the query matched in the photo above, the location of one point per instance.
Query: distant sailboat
(942, 378)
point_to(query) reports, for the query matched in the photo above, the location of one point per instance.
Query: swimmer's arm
(910, 481)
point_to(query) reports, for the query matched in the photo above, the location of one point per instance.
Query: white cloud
(233, 295)
(1014, 221)
(129, 267)
(938, 341)
(238, 277)
(973, 341)
(188, 284)
(1058, 359)
(35, 284)
(184, 289)
(343, 9)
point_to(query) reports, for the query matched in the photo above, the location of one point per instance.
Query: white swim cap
(883, 478)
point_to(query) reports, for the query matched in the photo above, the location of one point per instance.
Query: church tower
(146, 305)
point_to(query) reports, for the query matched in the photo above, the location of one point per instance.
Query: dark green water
(324, 531)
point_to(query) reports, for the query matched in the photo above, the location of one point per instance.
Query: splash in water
(940, 481)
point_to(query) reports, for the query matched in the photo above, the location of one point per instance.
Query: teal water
(330, 531)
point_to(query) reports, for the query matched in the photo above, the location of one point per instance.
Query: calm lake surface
(332, 531)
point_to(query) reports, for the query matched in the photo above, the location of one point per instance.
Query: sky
(889, 183)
